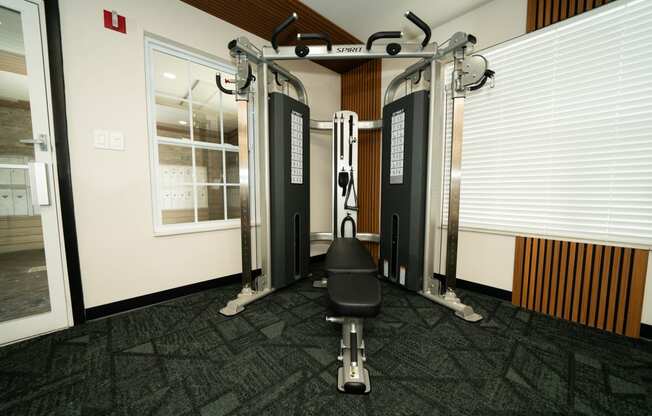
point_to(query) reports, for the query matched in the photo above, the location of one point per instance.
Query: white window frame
(152, 45)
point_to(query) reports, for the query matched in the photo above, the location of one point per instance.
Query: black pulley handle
(383, 35)
(422, 25)
(280, 28)
(218, 81)
(317, 36)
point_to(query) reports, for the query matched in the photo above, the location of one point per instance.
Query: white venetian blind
(562, 146)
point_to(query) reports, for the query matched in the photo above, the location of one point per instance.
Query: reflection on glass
(209, 166)
(232, 163)
(211, 203)
(206, 124)
(23, 273)
(233, 202)
(230, 116)
(170, 75)
(172, 118)
(177, 204)
(202, 80)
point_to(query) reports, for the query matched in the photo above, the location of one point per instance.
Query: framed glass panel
(210, 202)
(177, 204)
(206, 124)
(233, 202)
(232, 167)
(172, 118)
(170, 75)
(208, 165)
(202, 81)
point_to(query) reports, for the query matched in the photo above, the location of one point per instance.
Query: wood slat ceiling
(260, 17)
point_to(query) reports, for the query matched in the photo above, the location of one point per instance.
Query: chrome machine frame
(470, 72)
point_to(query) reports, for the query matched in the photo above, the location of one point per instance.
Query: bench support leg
(352, 377)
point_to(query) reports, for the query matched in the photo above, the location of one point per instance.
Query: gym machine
(411, 171)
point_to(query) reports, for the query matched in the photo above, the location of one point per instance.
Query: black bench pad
(354, 295)
(348, 255)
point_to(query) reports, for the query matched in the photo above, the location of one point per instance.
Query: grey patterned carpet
(279, 358)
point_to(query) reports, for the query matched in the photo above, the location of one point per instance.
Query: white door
(32, 287)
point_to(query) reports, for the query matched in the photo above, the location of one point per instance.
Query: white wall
(105, 89)
(493, 23)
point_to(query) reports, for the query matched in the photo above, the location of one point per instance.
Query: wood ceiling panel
(261, 17)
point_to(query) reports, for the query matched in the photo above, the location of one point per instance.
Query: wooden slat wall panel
(361, 93)
(261, 17)
(594, 285)
(542, 13)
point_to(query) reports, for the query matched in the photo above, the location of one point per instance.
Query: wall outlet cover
(116, 140)
(101, 139)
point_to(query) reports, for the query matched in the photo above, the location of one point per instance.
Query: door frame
(53, 56)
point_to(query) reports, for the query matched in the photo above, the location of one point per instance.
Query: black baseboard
(485, 290)
(646, 331)
(120, 306)
(113, 308)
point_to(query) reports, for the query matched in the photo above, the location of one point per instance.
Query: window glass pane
(170, 75)
(202, 80)
(176, 204)
(206, 124)
(232, 171)
(210, 202)
(209, 166)
(233, 202)
(172, 118)
(230, 115)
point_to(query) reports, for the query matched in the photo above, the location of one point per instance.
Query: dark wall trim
(158, 297)
(101, 311)
(646, 331)
(60, 130)
(485, 290)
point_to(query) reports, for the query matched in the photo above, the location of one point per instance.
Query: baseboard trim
(101, 311)
(485, 290)
(646, 331)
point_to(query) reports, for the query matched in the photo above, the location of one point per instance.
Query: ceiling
(361, 18)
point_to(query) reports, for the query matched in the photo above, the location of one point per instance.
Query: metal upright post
(459, 93)
(245, 214)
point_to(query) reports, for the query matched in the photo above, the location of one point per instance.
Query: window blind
(562, 146)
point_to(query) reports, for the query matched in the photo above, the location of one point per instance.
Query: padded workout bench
(354, 292)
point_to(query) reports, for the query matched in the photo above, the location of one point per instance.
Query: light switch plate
(101, 139)
(116, 140)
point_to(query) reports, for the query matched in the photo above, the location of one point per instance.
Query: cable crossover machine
(274, 135)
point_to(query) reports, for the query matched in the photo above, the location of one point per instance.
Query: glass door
(32, 289)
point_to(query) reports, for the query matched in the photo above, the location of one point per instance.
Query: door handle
(41, 141)
(38, 178)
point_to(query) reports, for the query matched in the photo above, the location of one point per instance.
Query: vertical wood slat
(533, 273)
(604, 287)
(578, 281)
(554, 279)
(613, 289)
(586, 283)
(639, 271)
(542, 13)
(594, 285)
(572, 282)
(361, 93)
(563, 266)
(526, 271)
(519, 253)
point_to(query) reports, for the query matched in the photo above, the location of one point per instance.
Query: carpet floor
(279, 357)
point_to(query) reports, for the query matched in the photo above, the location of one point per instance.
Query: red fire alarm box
(114, 21)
